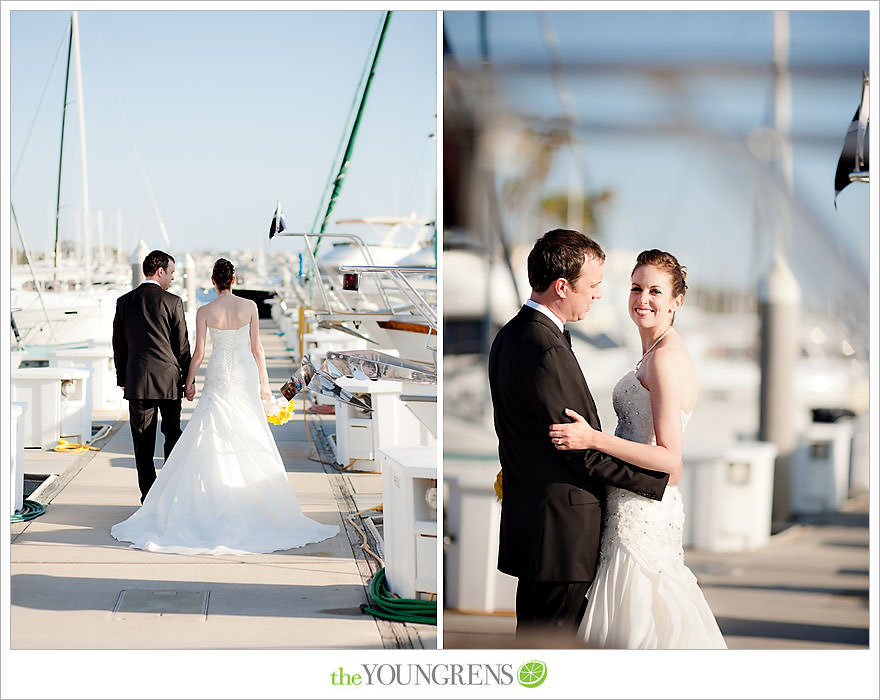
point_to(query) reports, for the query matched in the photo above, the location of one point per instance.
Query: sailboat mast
(346, 158)
(61, 151)
(87, 232)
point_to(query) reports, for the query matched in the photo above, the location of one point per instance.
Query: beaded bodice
(231, 366)
(632, 404)
(652, 530)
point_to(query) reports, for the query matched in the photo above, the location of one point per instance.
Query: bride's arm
(198, 355)
(257, 351)
(664, 378)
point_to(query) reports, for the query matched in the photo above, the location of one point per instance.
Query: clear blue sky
(228, 110)
(700, 197)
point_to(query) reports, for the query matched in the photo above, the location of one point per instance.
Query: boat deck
(75, 587)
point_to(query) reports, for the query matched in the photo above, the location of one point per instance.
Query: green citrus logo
(532, 673)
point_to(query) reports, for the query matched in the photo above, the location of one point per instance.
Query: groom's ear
(559, 285)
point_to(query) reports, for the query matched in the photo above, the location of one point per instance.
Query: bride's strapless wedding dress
(223, 489)
(643, 596)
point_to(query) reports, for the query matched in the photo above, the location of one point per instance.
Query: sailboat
(62, 310)
(64, 303)
(358, 290)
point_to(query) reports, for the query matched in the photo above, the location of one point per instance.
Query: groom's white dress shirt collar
(152, 282)
(547, 312)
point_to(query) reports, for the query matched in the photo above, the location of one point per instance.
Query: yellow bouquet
(278, 410)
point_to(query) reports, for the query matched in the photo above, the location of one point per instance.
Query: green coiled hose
(391, 607)
(29, 511)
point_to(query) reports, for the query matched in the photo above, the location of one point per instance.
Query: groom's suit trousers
(550, 608)
(143, 416)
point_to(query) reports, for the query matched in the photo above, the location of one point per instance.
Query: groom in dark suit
(551, 511)
(151, 351)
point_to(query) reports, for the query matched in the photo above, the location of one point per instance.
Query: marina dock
(73, 586)
(807, 589)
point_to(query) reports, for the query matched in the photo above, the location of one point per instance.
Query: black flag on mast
(277, 225)
(853, 163)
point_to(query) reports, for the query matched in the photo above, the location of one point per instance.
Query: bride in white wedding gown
(643, 596)
(223, 489)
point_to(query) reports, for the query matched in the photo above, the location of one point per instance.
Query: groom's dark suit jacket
(551, 511)
(150, 344)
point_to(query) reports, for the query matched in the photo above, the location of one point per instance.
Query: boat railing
(391, 281)
(398, 275)
(310, 241)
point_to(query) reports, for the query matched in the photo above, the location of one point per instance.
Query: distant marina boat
(393, 248)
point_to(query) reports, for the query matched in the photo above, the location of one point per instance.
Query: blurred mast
(575, 207)
(779, 296)
(486, 177)
(87, 231)
(494, 212)
(782, 117)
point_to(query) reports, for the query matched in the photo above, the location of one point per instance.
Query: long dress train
(643, 596)
(223, 489)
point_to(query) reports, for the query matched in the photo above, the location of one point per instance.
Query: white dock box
(472, 518)
(359, 435)
(728, 496)
(409, 500)
(57, 404)
(820, 468)
(16, 449)
(98, 359)
(860, 463)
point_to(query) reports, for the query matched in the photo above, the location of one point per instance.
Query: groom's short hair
(560, 253)
(155, 260)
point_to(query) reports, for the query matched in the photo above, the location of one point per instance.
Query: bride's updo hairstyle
(223, 274)
(668, 263)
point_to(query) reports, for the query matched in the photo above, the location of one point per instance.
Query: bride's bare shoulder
(245, 307)
(672, 363)
(671, 359)
(206, 311)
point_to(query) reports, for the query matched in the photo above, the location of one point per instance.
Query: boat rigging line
(30, 133)
(27, 257)
(334, 165)
(130, 132)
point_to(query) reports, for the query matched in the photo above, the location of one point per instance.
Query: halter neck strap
(653, 345)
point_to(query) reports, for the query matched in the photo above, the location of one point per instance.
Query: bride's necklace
(653, 345)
